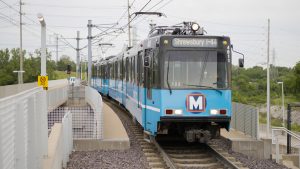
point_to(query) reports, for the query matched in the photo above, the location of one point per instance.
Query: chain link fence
(245, 118)
(84, 122)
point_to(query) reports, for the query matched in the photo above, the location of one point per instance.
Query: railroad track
(178, 154)
(181, 154)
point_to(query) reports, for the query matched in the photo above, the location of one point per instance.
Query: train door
(126, 79)
(140, 79)
(148, 86)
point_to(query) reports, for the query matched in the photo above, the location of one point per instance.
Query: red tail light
(223, 111)
(169, 111)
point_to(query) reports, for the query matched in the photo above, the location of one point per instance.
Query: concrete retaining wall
(55, 148)
(9, 90)
(260, 149)
(14, 89)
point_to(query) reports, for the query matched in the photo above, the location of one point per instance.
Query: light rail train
(176, 81)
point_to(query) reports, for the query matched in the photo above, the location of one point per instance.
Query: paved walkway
(282, 138)
(113, 127)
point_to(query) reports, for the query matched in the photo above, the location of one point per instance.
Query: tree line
(10, 61)
(250, 85)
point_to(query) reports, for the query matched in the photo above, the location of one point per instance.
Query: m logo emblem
(195, 103)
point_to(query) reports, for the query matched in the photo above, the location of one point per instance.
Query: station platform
(242, 143)
(114, 135)
(234, 135)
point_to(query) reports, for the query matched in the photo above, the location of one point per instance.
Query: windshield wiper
(207, 87)
(168, 75)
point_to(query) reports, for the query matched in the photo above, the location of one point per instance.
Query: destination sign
(194, 42)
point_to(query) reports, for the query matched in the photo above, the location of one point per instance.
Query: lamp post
(268, 95)
(282, 107)
(43, 44)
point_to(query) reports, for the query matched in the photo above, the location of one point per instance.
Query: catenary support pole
(43, 50)
(268, 82)
(288, 150)
(56, 48)
(129, 33)
(78, 56)
(20, 73)
(89, 52)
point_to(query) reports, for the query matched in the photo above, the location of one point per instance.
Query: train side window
(133, 72)
(123, 69)
(155, 69)
(126, 68)
(119, 69)
(130, 69)
(112, 71)
(100, 69)
(140, 69)
(148, 73)
(116, 70)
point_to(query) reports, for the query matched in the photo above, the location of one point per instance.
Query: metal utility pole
(20, 73)
(282, 99)
(56, 48)
(134, 35)
(78, 56)
(288, 137)
(81, 68)
(268, 82)
(89, 52)
(43, 45)
(129, 35)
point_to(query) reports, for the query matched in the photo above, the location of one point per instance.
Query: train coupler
(199, 135)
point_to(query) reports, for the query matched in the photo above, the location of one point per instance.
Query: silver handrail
(275, 139)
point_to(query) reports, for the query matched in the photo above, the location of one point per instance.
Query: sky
(244, 21)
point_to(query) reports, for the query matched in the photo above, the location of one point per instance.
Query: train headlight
(195, 27)
(214, 111)
(178, 112)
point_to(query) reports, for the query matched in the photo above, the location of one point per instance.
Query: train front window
(195, 69)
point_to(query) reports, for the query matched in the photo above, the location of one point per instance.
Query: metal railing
(94, 99)
(245, 118)
(23, 130)
(276, 132)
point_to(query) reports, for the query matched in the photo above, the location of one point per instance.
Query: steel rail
(165, 156)
(225, 161)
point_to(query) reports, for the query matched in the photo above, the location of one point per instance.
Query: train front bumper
(200, 119)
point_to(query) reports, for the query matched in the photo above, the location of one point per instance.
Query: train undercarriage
(192, 132)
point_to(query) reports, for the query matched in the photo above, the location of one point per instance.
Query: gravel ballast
(249, 162)
(133, 158)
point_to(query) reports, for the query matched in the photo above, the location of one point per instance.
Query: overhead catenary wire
(35, 22)
(77, 7)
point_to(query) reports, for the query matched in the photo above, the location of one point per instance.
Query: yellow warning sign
(43, 81)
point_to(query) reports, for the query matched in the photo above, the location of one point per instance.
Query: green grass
(276, 122)
(287, 99)
(63, 75)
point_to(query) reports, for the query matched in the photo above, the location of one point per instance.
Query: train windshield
(196, 69)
